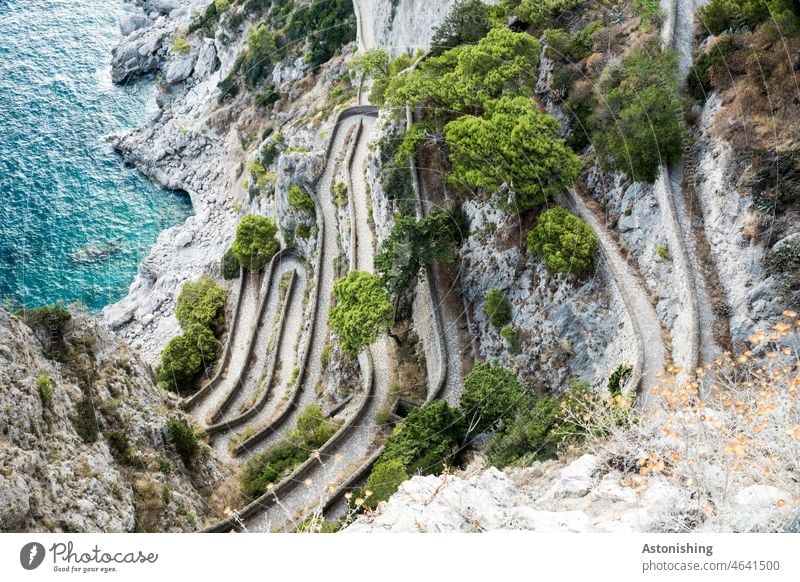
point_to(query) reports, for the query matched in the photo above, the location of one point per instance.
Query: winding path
(693, 339)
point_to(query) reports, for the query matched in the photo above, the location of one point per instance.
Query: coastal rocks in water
(139, 53)
(129, 23)
(92, 253)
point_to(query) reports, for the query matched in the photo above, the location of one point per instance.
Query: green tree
(255, 242)
(375, 64)
(300, 200)
(384, 480)
(564, 241)
(497, 308)
(362, 312)
(467, 23)
(261, 49)
(185, 356)
(515, 147)
(640, 126)
(720, 15)
(542, 13)
(413, 243)
(201, 302)
(491, 394)
(464, 79)
(182, 436)
(529, 434)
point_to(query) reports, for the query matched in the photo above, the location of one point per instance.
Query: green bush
(564, 241)
(706, 65)
(640, 124)
(491, 396)
(267, 97)
(185, 357)
(426, 438)
(84, 421)
(46, 387)
(662, 251)
(300, 200)
(384, 480)
(542, 13)
(261, 49)
(229, 88)
(362, 311)
(313, 430)
(719, 16)
(302, 230)
(513, 146)
(497, 308)
(509, 334)
(201, 302)
(255, 242)
(120, 446)
(183, 437)
(340, 193)
(180, 45)
(618, 378)
(230, 265)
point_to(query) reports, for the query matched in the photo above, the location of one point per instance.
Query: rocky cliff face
(579, 496)
(83, 442)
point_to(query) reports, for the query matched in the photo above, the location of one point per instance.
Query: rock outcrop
(83, 442)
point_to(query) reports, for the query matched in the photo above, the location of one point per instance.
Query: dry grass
(735, 425)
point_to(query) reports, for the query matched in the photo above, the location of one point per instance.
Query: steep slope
(83, 437)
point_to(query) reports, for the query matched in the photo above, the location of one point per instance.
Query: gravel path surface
(356, 446)
(643, 315)
(239, 341)
(693, 340)
(287, 355)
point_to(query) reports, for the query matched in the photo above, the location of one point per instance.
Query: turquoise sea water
(74, 222)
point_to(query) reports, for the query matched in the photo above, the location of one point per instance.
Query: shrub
(514, 146)
(221, 6)
(340, 193)
(302, 230)
(300, 200)
(255, 242)
(185, 357)
(180, 44)
(182, 436)
(84, 420)
(48, 324)
(384, 480)
(261, 48)
(363, 310)
(497, 308)
(564, 241)
(312, 431)
(719, 16)
(708, 65)
(662, 251)
(618, 378)
(509, 334)
(640, 125)
(230, 265)
(491, 395)
(425, 439)
(267, 97)
(201, 302)
(229, 88)
(46, 387)
(542, 13)
(120, 446)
